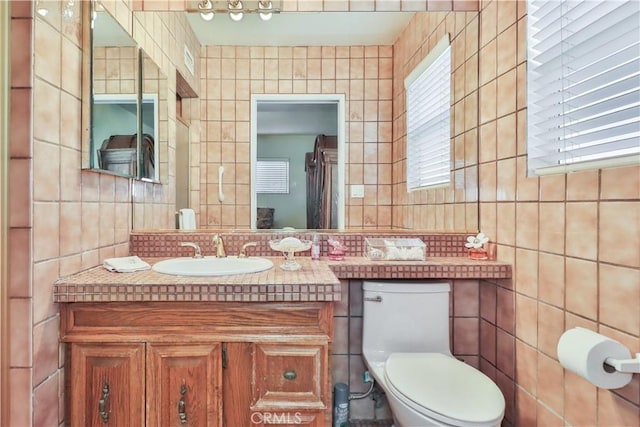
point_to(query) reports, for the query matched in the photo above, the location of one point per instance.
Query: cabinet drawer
(289, 376)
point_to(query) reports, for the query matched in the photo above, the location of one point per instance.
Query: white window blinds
(428, 93)
(272, 176)
(583, 77)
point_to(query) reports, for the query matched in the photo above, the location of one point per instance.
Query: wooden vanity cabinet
(109, 385)
(198, 364)
(184, 385)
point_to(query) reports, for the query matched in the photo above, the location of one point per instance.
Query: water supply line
(341, 398)
(366, 378)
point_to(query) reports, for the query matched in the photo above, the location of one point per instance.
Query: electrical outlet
(357, 191)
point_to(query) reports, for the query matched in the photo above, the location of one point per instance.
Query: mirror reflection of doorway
(184, 95)
(182, 165)
(286, 129)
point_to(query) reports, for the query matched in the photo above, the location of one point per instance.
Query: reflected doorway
(183, 153)
(285, 130)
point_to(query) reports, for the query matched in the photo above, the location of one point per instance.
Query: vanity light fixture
(206, 10)
(265, 7)
(235, 10)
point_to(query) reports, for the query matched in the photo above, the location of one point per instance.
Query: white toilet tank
(405, 316)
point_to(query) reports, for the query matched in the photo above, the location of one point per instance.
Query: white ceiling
(284, 29)
(302, 29)
(107, 31)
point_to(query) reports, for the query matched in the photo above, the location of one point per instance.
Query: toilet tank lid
(406, 286)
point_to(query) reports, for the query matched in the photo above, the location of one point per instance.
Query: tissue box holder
(394, 249)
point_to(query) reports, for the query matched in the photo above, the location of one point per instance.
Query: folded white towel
(126, 264)
(187, 219)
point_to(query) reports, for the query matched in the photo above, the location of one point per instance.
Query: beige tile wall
(115, 70)
(163, 37)
(454, 207)
(64, 219)
(574, 242)
(232, 73)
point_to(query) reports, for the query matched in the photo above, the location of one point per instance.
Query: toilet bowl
(406, 348)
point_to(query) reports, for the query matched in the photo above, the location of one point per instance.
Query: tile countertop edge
(432, 268)
(316, 281)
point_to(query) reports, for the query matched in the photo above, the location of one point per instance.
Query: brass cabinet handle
(225, 361)
(103, 403)
(182, 407)
(290, 375)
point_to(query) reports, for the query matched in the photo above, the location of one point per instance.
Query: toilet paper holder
(631, 366)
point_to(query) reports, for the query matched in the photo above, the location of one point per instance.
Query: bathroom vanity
(197, 363)
(162, 353)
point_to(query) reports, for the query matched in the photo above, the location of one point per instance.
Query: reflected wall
(163, 36)
(231, 74)
(371, 78)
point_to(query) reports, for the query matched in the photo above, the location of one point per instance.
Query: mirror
(113, 97)
(153, 119)
(233, 69)
(301, 136)
(127, 109)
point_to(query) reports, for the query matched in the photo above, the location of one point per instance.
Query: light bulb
(206, 10)
(236, 16)
(207, 16)
(265, 7)
(235, 6)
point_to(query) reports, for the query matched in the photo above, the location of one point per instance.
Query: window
(272, 176)
(428, 92)
(583, 75)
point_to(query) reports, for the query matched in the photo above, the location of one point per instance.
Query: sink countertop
(315, 281)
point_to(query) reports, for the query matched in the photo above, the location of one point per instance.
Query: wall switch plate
(357, 191)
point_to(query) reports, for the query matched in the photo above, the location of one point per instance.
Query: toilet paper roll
(187, 219)
(583, 352)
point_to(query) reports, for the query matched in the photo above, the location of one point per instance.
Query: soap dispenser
(315, 247)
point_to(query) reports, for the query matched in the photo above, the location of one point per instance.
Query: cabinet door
(107, 385)
(237, 384)
(288, 376)
(184, 385)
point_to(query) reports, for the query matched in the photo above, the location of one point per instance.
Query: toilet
(405, 345)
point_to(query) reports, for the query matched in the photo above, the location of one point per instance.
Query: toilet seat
(443, 388)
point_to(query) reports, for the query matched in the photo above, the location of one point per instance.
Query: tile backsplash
(164, 244)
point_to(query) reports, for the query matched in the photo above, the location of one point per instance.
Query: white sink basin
(212, 266)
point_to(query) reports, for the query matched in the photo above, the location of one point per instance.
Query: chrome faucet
(243, 250)
(195, 246)
(219, 244)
